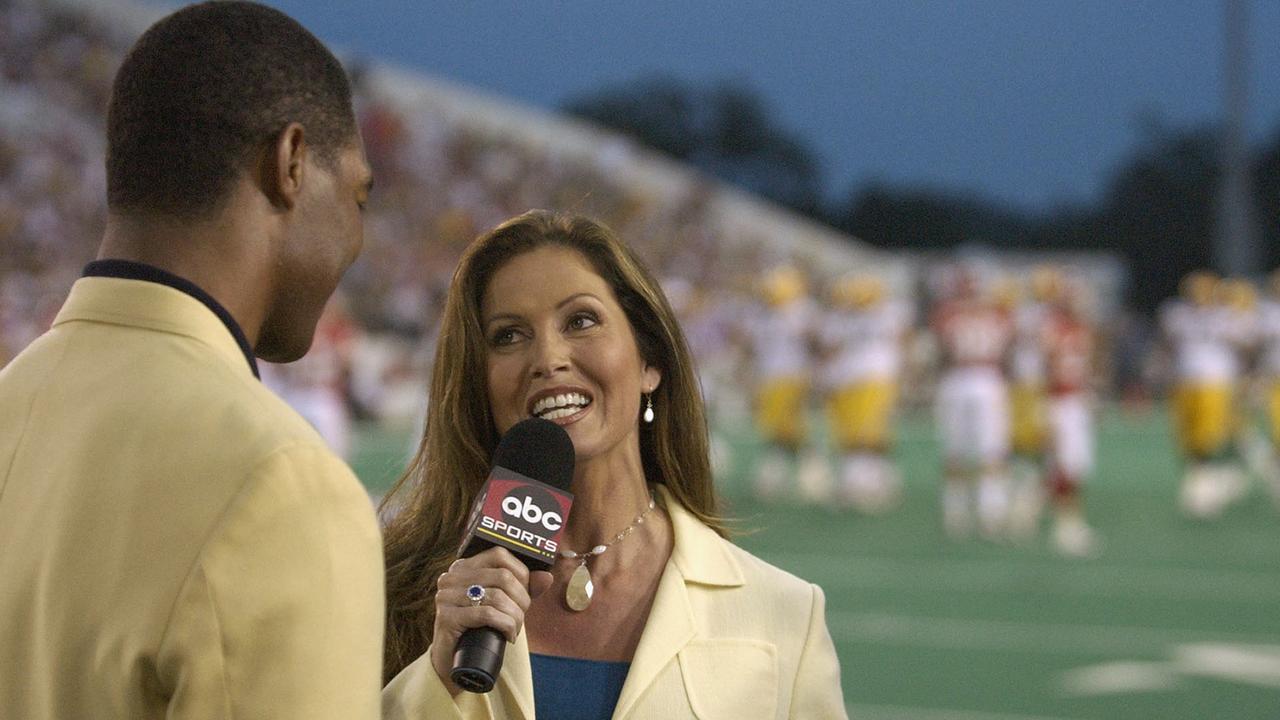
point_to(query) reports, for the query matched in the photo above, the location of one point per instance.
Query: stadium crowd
(55, 74)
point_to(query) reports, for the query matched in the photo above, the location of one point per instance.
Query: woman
(552, 316)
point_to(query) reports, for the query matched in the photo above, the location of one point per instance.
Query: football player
(974, 337)
(862, 338)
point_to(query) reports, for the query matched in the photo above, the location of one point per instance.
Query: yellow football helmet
(1046, 283)
(1237, 294)
(857, 291)
(1007, 292)
(1200, 287)
(782, 285)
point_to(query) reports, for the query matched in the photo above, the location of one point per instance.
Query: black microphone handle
(477, 659)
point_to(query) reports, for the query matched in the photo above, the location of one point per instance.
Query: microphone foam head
(539, 449)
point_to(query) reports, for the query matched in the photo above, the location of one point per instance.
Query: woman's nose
(551, 355)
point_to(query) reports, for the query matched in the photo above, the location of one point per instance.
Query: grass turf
(1174, 619)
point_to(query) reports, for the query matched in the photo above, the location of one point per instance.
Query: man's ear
(282, 167)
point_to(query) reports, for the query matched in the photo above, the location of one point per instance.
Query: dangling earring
(648, 410)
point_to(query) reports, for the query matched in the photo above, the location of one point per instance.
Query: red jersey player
(972, 407)
(1069, 347)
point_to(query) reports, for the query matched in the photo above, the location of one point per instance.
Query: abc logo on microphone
(536, 508)
(522, 514)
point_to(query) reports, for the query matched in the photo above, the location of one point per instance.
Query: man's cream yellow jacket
(729, 636)
(174, 540)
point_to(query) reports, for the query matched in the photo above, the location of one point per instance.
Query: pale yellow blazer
(175, 542)
(729, 636)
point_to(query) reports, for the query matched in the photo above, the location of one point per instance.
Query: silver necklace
(577, 595)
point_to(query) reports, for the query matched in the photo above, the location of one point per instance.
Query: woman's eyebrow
(575, 296)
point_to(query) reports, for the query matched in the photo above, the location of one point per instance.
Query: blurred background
(814, 182)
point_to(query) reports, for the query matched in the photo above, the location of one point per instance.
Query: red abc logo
(527, 510)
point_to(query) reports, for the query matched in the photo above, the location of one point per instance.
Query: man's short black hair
(203, 92)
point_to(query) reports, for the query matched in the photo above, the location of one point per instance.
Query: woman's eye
(582, 321)
(505, 336)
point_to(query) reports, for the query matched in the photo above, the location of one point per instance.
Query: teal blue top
(567, 688)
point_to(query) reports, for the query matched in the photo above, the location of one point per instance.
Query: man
(1028, 401)
(1269, 374)
(780, 338)
(1069, 350)
(972, 408)
(176, 542)
(1205, 340)
(864, 336)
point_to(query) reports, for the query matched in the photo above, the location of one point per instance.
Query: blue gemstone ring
(475, 593)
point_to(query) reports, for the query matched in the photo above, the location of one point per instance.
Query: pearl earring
(648, 410)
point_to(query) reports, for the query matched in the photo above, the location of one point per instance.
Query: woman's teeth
(554, 407)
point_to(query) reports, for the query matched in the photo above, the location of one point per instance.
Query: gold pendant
(577, 595)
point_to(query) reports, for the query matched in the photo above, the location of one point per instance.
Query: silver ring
(476, 593)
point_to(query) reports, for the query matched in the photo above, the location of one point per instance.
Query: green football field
(1174, 619)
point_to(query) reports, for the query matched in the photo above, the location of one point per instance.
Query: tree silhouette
(1159, 213)
(724, 130)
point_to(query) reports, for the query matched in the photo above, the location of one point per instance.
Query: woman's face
(560, 347)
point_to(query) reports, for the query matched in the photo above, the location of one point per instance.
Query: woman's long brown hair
(426, 510)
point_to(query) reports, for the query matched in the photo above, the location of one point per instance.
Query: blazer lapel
(699, 556)
(516, 679)
(670, 627)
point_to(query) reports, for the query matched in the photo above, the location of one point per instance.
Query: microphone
(523, 507)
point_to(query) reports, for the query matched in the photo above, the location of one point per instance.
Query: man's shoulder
(205, 414)
(269, 440)
(264, 414)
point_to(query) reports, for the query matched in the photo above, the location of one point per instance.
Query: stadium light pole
(1236, 250)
